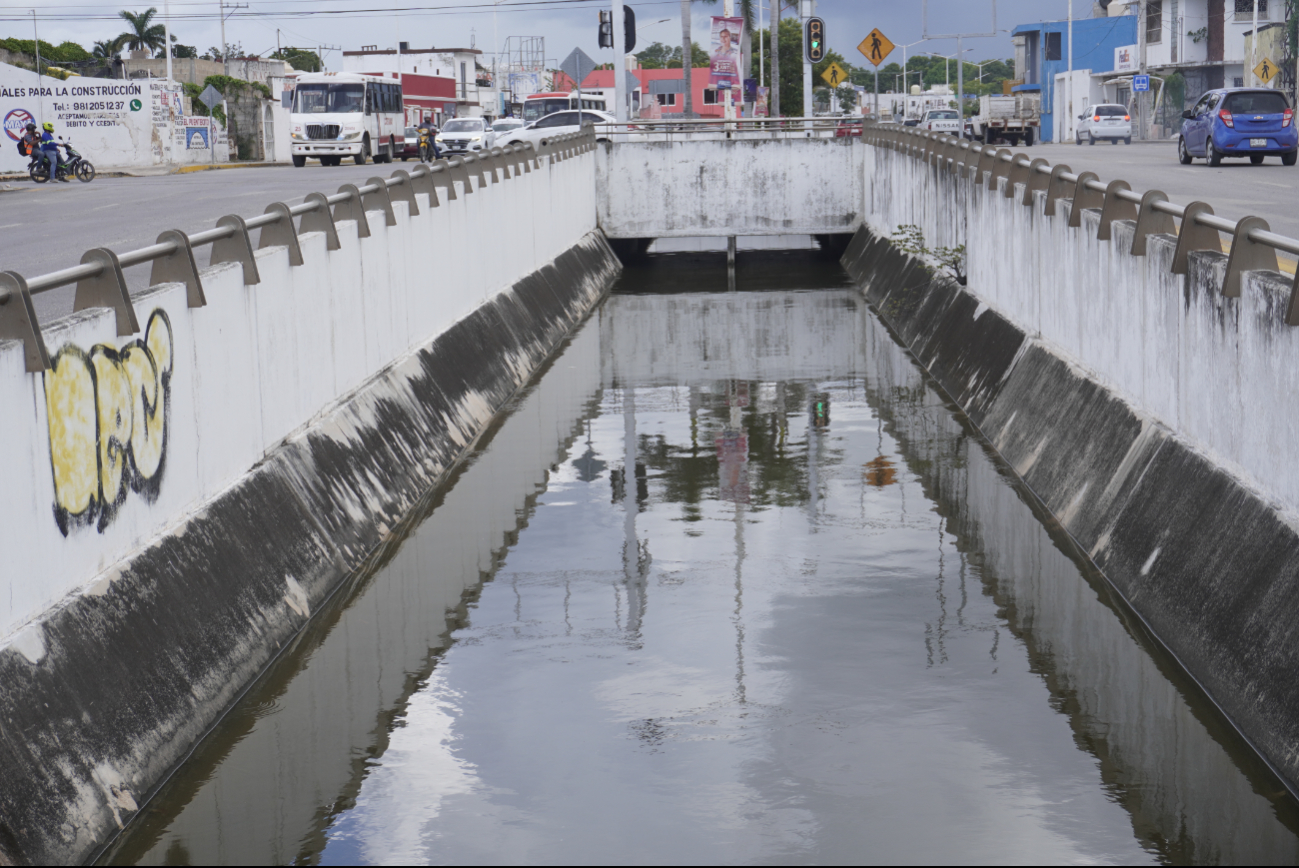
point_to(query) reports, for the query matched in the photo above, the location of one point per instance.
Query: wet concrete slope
(1207, 563)
(123, 680)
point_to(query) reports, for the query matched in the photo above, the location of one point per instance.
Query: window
(1257, 103)
(667, 98)
(1245, 11)
(559, 119)
(1154, 21)
(1238, 82)
(1052, 46)
(1110, 111)
(710, 97)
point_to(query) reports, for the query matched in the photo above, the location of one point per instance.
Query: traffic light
(606, 29)
(820, 410)
(815, 40)
(628, 29)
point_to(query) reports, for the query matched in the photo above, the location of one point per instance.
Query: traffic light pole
(807, 10)
(619, 64)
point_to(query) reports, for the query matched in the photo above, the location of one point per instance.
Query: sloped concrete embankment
(1205, 559)
(179, 502)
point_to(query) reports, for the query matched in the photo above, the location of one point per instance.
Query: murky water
(729, 583)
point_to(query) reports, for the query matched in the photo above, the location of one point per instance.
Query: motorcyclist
(50, 148)
(30, 144)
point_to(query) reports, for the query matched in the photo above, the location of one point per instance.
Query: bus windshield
(536, 109)
(319, 98)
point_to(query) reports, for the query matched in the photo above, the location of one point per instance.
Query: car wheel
(1128, 140)
(1256, 159)
(1289, 159)
(1091, 140)
(299, 160)
(1214, 155)
(365, 152)
(1183, 156)
(1114, 141)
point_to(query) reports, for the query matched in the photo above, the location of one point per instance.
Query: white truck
(1010, 119)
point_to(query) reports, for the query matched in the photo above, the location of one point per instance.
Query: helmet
(31, 128)
(48, 127)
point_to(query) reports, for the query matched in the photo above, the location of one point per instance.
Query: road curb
(186, 170)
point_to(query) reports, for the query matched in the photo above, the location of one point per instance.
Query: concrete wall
(737, 187)
(177, 501)
(1146, 411)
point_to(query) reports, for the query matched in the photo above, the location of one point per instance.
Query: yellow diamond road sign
(834, 75)
(876, 47)
(1266, 71)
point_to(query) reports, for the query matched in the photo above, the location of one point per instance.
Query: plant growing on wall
(1198, 36)
(909, 238)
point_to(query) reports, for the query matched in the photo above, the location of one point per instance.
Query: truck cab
(941, 121)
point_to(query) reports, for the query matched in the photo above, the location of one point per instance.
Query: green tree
(847, 97)
(790, 38)
(178, 50)
(143, 34)
(106, 49)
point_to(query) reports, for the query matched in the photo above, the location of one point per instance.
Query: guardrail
(669, 129)
(99, 278)
(1253, 245)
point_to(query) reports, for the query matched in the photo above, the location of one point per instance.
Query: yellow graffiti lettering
(108, 424)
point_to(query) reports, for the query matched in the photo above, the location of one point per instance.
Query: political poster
(724, 54)
(760, 107)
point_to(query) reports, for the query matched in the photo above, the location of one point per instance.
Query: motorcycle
(73, 165)
(426, 146)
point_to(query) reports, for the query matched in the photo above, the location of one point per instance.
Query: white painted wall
(737, 187)
(258, 363)
(1222, 373)
(103, 120)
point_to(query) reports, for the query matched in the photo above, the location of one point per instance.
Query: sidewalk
(154, 171)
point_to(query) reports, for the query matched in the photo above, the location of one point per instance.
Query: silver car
(1106, 121)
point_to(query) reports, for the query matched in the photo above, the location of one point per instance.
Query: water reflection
(731, 584)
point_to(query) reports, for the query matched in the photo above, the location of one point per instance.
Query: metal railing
(100, 282)
(669, 129)
(1253, 245)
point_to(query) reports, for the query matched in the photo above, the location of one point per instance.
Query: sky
(565, 24)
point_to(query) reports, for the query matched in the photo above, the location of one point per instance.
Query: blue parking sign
(1141, 82)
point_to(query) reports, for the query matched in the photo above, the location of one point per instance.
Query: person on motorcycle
(50, 148)
(30, 144)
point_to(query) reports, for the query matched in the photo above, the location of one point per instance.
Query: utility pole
(1253, 50)
(1141, 54)
(1065, 128)
(728, 9)
(166, 35)
(774, 101)
(619, 64)
(40, 100)
(807, 11)
(960, 90)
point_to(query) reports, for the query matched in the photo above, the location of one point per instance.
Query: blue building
(1042, 53)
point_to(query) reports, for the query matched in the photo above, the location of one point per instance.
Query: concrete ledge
(109, 691)
(1210, 565)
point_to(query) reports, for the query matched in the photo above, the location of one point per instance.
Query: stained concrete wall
(695, 187)
(176, 503)
(1208, 561)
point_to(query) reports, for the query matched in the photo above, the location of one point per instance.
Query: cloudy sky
(564, 23)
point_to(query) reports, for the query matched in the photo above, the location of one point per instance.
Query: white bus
(345, 114)
(537, 105)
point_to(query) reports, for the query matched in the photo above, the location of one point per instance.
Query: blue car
(1239, 122)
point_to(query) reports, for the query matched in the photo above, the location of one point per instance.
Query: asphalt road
(1235, 189)
(46, 227)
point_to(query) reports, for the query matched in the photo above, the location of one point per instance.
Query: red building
(707, 102)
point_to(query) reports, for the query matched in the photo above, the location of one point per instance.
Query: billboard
(724, 53)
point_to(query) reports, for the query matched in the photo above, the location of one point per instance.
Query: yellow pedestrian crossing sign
(876, 47)
(1266, 71)
(834, 75)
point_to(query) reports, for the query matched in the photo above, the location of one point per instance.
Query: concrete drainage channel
(191, 542)
(1203, 559)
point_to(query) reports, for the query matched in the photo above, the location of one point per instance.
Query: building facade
(437, 83)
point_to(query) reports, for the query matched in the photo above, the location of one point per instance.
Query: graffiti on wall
(107, 412)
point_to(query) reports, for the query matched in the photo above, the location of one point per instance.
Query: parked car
(461, 135)
(1239, 122)
(1107, 121)
(941, 121)
(848, 127)
(557, 124)
(408, 146)
(505, 126)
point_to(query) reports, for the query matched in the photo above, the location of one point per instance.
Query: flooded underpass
(729, 581)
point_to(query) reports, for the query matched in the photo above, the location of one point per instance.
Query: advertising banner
(724, 54)
(760, 107)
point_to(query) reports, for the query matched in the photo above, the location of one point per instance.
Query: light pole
(904, 76)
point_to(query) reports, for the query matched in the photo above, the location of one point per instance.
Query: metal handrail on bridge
(647, 128)
(99, 278)
(1253, 246)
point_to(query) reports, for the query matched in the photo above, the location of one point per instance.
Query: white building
(475, 94)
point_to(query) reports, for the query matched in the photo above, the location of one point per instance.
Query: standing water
(730, 581)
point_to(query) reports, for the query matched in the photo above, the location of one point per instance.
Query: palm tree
(106, 49)
(143, 35)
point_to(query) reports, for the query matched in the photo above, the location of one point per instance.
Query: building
(1210, 41)
(1042, 61)
(437, 83)
(666, 87)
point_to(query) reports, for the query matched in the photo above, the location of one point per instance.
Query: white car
(1105, 121)
(463, 135)
(556, 124)
(941, 121)
(505, 126)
